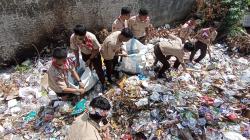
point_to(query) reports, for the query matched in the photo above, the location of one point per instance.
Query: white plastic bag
(89, 79)
(136, 60)
(134, 63)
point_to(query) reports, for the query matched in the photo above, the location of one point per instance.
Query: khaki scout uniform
(137, 26)
(83, 128)
(111, 45)
(86, 51)
(164, 50)
(75, 45)
(58, 78)
(118, 25)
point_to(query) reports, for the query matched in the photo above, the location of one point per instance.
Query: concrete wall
(29, 24)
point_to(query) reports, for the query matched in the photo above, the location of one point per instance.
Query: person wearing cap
(89, 46)
(165, 49)
(58, 74)
(88, 125)
(139, 24)
(111, 49)
(121, 21)
(205, 38)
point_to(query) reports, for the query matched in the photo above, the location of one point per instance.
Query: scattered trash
(207, 101)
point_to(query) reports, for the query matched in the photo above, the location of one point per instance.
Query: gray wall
(40, 23)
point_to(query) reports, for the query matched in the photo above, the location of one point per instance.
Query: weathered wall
(26, 24)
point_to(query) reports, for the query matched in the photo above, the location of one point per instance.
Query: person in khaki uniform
(89, 46)
(139, 24)
(87, 126)
(58, 74)
(121, 21)
(204, 37)
(164, 50)
(111, 49)
(187, 29)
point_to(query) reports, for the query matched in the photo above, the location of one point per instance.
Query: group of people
(81, 41)
(124, 28)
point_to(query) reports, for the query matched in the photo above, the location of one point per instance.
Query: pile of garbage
(239, 44)
(208, 101)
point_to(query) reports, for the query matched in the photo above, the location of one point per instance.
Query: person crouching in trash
(58, 75)
(87, 126)
(165, 49)
(205, 38)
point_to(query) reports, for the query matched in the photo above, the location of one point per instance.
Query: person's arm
(95, 50)
(73, 47)
(77, 78)
(73, 90)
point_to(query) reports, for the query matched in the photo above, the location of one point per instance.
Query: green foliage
(22, 68)
(235, 13)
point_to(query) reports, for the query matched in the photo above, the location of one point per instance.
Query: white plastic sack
(136, 60)
(29, 92)
(134, 46)
(89, 79)
(233, 136)
(134, 63)
(245, 77)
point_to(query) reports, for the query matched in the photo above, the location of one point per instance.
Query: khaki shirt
(173, 47)
(84, 129)
(137, 26)
(58, 78)
(118, 25)
(111, 45)
(206, 36)
(186, 31)
(76, 44)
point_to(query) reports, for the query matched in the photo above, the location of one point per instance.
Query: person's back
(84, 129)
(86, 126)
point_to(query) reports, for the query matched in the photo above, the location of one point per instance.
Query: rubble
(207, 101)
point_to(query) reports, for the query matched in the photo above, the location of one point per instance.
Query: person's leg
(115, 64)
(203, 50)
(160, 57)
(97, 63)
(85, 57)
(176, 63)
(109, 68)
(196, 48)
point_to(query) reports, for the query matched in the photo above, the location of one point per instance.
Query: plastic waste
(30, 116)
(142, 102)
(79, 107)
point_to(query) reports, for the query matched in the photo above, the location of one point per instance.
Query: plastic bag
(80, 107)
(89, 79)
(136, 60)
(134, 63)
